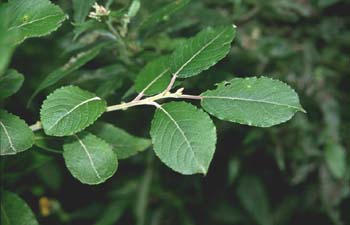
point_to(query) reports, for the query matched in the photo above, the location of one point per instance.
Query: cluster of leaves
(129, 49)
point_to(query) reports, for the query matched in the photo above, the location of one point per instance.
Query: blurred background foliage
(294, 173)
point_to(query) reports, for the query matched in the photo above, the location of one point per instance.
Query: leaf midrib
(186, 140)
(8, 137)
(155, 79)
(5, 214)
(32, 21)
(74, 108)
(253, 100)
(198, 52)
(89, 156)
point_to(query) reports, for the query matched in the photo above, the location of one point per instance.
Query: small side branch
(36, 126)
(171, 84)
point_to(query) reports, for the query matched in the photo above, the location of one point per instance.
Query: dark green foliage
(256, 63)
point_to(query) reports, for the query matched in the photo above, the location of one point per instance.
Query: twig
(36, 126)
(171, 84)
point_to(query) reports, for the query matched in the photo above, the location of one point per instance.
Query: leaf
(335, 157)
(202, 51)
(124, 144)
(34, 18)
(15, 211)
(134, 8)
(15, 135)
(81, 9)
(6, 37)
(154, 77)
(73, 64)
(252, 194)
(113, 212)
(69, 110)
(90, 159)
(183, 137)
(163, 13)
(261, 102)
(10, 83)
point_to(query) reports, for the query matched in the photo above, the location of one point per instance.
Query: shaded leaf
(163, 13)
(202, 51)
(252, 194)
(15, 135)
(89, 158)
(6, 39)
(154, 77)
(183, 137)
(335, 157)
(81, 9)
(123, 143)
(261, 102)
(73, 64)
(10, 83)
(34, 18)
(15, 211)
(69, 110)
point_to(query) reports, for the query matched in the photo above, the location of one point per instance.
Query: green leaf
(15, 211)
(10, 83)
(6, 38)
(134, 8)
(261, 102)
(202, 51)
(34, 18)
(124, 144)
(335, 157)
(163, 13)
(90, 159)
(183, 137)
(154, 77)
(15, 135)
(69, 110)
(72, 65)
(81, 9)
(252, 194)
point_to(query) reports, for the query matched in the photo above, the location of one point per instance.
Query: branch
(147, 101)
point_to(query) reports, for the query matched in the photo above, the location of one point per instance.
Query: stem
(36, 126)
(146, 101)
(138, 97)
(120, 41)
(171, 84)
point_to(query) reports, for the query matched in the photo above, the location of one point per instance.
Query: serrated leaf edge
(102, 179)
(203, 170)
(71, 133)
(74, 108)
(198, 52)
(11, 143)
(254, 124)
